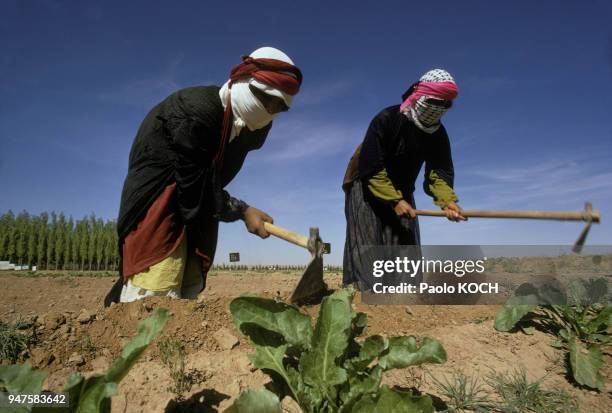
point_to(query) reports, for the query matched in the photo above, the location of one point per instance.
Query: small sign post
(234, 256)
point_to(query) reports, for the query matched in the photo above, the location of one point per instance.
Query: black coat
(397, 144)
(177, 142)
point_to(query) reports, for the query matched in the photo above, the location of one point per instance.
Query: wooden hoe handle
(593, 215)
(287, 235)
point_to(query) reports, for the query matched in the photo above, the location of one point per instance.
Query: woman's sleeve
(382, 188)
(439, 172)
(233, 208)
(442, 193)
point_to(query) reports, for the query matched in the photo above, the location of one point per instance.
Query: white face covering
(247, 109)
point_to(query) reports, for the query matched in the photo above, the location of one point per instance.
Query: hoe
(589, 215)
(311, 285)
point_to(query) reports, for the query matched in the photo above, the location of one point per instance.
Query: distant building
(5, 265)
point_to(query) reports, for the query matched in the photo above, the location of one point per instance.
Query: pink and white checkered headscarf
(437, 84)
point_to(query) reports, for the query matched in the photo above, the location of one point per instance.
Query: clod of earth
(84, 317)
(226, 339)
(54, 320)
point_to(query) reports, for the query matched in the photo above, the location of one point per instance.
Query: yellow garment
(381, 187)
(173, 272)
(442, 192)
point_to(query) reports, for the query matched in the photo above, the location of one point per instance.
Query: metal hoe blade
(588, 208)
(311, 286)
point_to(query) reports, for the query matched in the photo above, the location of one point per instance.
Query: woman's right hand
(254, 220)
(404, 209)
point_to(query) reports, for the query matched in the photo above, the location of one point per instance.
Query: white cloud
(556, 183)
(297, 139)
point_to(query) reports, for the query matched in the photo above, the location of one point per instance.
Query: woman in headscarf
(380, 178)
(187, 149)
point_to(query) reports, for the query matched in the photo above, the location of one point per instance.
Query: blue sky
(530, 129)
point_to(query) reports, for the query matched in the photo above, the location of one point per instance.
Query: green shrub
(325, 369)
(582, 329)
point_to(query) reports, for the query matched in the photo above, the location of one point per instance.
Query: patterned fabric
(371, 223)
(437, 75)
(437, 84)
(427, 113)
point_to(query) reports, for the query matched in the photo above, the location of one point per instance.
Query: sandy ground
(76, 333)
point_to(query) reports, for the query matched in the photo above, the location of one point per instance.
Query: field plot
(200, 363)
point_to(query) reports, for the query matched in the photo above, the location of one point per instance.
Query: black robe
(177, 142)
(395, 143)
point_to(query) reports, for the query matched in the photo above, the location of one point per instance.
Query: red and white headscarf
(437, 84)
(271, 71)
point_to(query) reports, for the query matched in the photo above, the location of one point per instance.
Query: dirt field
(76, 333)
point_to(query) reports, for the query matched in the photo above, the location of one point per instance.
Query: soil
(75, 333)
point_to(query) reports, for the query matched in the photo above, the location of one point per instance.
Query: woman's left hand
(454, 212)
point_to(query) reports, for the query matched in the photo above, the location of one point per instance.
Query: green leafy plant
(92, 394)
(582, 328)
(256, 401)
(325, 368)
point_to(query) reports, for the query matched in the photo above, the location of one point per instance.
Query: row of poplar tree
(52, 242)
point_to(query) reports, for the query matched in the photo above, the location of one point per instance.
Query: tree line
(52, 242)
